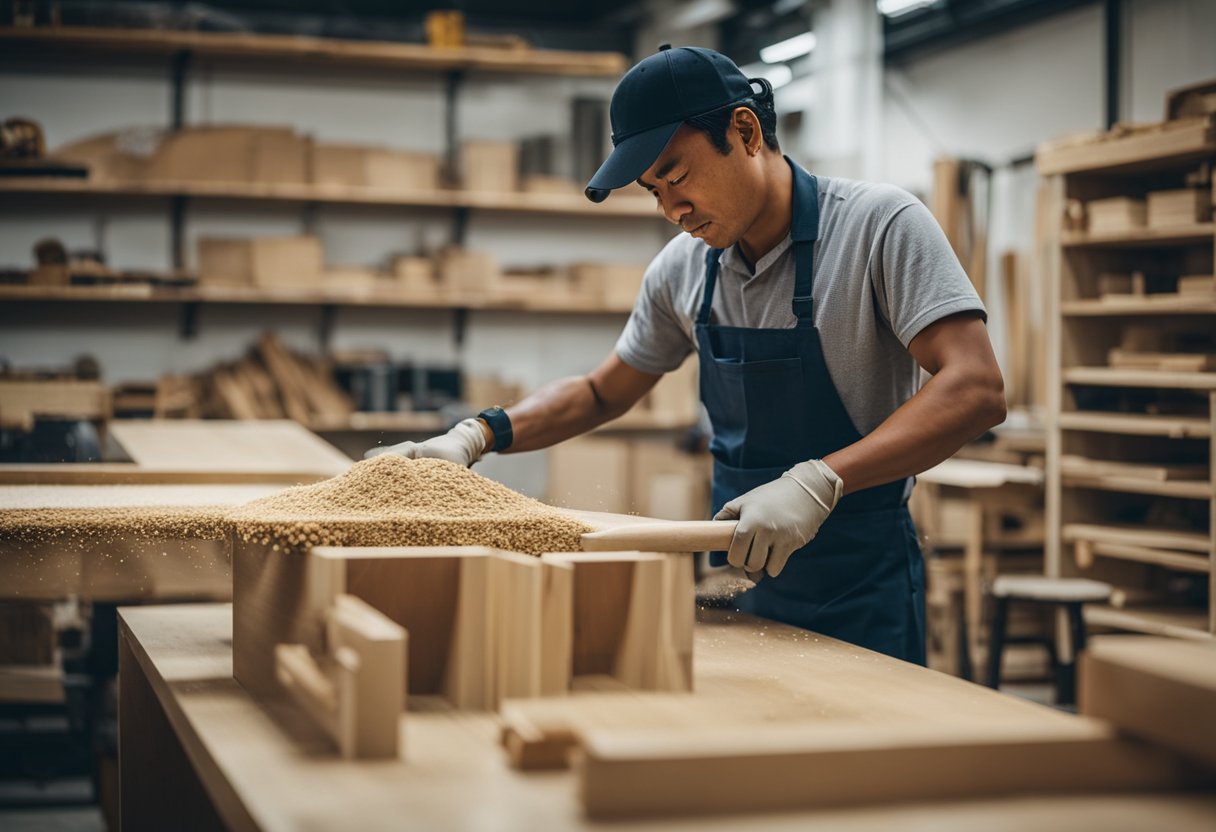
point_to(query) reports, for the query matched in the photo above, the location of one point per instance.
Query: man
(812, 304)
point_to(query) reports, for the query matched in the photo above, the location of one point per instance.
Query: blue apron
(772, 404)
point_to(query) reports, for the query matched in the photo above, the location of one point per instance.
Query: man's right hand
(464, 444)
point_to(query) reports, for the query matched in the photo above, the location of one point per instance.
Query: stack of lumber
(271, 383)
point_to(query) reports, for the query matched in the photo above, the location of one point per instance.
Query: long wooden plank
(1136, 536)
(631, 774)
(1189, 138)
(1157, 689)
(1174, 622)
(128, 473)
(665, 536)
(1110, 376)
(1130, 424)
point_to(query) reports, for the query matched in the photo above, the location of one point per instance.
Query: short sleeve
(917, 278)
(653, 340)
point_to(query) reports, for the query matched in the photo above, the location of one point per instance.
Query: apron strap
(711, 279)
(804, 283)
(805, 231)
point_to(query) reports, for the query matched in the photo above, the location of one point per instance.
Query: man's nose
(677, 210)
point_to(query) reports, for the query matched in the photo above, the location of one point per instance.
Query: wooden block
(1200, 285)
(1115, 215)
(1121, 285)
(22, 402)
(399, 170)
(463, 272)
(261, 261)
(1185, 206)
(519, 585)
(812, 765)
(557, 627)
(338, 164)
(379, 676)
(1157, 689)
(489, 166)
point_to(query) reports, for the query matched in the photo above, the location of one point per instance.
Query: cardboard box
(240, 154)
(418, 277)
(22, 401)
(1185, 206)
(615, 285)
(337, 164)
(590, 473)
(464, 272)
(489, 166)
(1115, 215)
(398, 170)
(261, 261)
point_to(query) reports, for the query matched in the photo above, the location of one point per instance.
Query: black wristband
(500, 425)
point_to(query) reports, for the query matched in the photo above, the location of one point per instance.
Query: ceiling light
(776, 74)
(787, 50)
(894, 8)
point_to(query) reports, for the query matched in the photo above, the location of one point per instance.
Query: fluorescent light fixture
(702, 12)
(787, 50)
(776, 74)
(894, 8)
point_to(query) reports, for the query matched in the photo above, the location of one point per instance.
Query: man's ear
(745, 123)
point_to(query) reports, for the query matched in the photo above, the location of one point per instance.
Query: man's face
(709, 195)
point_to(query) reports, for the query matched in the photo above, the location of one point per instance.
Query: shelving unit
(1126, 502)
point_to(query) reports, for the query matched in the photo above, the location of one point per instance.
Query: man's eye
(674, 182)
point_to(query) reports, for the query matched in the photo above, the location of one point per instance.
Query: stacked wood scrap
(272, 382)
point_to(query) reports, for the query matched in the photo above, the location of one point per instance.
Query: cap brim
(629, 160)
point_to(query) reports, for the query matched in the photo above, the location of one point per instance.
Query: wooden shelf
(1182, 235)
(1163, 304)
(1162, 621)
(387, 55)
(621, 205)
(1130, 424)
(1191, 490)
(1127, 535)
(1116, 377)
(1156, 557)
(1186, 142)
(146, 293)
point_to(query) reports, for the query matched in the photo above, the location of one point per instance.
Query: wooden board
(632, 773)
(1157, 689)
(206, 445)
(261, 769)
(129, 473)
(147, 564)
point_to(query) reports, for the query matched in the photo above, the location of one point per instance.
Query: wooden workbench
(197, 752)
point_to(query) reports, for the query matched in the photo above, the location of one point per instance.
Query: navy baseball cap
(654, 99)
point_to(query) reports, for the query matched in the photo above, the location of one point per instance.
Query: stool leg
(996, 641)
(1066, 684)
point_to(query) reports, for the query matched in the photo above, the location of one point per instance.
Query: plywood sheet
(206, 445)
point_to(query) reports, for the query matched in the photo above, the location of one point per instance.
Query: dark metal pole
(1114, 55)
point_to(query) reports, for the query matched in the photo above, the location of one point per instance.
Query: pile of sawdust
(79, 526)
(392, 501)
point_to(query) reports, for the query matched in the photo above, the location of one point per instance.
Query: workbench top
(264, 768)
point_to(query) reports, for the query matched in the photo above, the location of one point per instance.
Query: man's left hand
(780, 517)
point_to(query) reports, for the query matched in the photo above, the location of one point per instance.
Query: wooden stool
(1070, 593)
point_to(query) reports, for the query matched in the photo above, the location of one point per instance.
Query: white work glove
(463, 444)
(780, 517)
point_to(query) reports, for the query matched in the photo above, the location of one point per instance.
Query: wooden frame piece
(632, 617)
(358, 696)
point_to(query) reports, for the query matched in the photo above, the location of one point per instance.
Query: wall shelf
(146, 293)
(1119, 377)
(572, 204)
(1163, 304)
(1183, 235)
(382, 55)
(1192, 490)
(1131, 424)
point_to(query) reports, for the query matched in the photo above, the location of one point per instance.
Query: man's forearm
(949, 411)
(556, 412)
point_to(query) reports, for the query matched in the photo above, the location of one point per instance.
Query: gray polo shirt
(883, 272)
